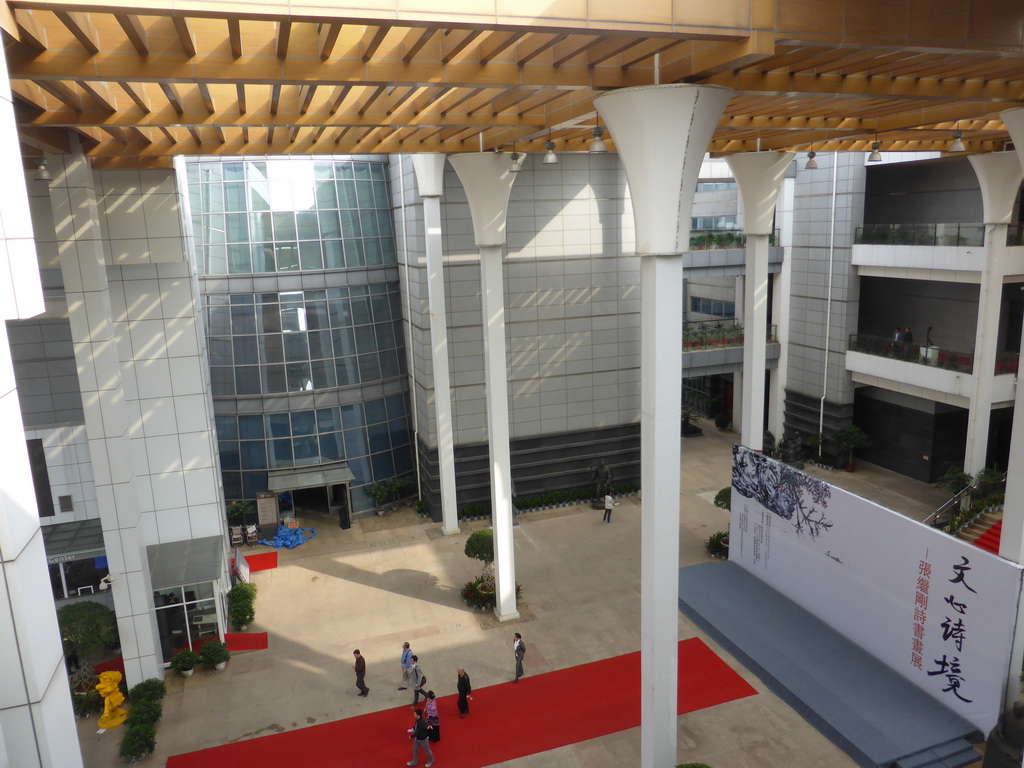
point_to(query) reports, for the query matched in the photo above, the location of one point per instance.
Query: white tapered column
(430, 181)
(1011, 542)
(999, 175)
(487, 178)
(661, 134)
(759, 176)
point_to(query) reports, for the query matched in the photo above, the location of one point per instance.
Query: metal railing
(882, 346)
(949, 508)
(716, 334)
(920, 234)
(715, 239)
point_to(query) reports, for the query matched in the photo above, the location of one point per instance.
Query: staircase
(985, 531)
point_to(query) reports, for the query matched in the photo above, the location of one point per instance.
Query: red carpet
(506, 721)
(248, 641)
(989, 540)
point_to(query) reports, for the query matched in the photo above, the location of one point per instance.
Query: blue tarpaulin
(289, 538)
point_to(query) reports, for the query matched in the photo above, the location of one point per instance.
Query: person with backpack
(418, 680)
(518, 650)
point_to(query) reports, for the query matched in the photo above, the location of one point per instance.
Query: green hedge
(144, 711)
(152, 689)
(138, 741)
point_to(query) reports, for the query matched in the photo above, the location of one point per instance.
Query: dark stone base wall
(544, 463)
(914, 443)
(803, 412)
(917, 444)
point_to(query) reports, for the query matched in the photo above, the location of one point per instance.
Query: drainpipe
(828, 305)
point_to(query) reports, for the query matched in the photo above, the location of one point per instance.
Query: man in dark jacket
(465, 689)
(419, 733)
(360, 668)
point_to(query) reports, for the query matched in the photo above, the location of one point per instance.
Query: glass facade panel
(301, 215)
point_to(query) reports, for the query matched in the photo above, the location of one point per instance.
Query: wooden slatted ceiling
(142, 87)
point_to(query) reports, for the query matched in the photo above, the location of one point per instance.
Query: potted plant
(241, 604)
(850, 439)
(215, 654)
(184, 662)
(378, 491)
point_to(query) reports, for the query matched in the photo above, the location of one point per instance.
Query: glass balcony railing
(920, 234)
(715, 239)
(913, 353)
(715, 334)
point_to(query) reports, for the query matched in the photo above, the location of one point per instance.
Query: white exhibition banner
(936, 609)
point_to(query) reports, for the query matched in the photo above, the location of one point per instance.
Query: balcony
(881, 346)
(715, 334)
(720, 239)
(920, 234)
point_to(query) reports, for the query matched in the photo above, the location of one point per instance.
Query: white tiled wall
(66, 449)
(571, 297)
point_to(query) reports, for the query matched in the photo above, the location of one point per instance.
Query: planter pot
(220, 666)
(851, 467)
(187, 672)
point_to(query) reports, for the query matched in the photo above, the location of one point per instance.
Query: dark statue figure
(768, 444)
(602, 479)
(1005, 744)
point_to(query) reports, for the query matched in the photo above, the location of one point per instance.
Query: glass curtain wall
(302, 307)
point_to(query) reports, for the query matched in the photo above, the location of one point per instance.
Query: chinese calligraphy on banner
(935, 609)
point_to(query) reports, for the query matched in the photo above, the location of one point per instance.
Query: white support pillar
(430, 181)
(36, 716)
(758, 175)
(84, 268)
(1011, 541)
(487, 178)
(780, 310)
(999, 175)
(661, 133)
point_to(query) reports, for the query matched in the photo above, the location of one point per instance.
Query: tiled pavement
(389, 580)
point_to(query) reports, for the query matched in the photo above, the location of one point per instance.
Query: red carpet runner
(505, 722)
(247, 641)
(989, 540)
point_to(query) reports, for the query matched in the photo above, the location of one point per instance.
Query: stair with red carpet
(989, 540)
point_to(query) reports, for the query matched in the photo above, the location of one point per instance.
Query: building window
(713, 307)
(713, 222)
(715, 186)
(289, 215)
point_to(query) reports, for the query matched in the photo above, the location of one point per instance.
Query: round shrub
(145, 711)
(480, 545)
(214, 653)
(152, 689)
(693, 765)
(723, 499)
(138, 741)
(479, 594)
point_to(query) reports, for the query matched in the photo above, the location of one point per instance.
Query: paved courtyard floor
(395, 579)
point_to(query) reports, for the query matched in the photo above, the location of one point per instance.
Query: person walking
(360, 668)
(465, 690)
(418, 679)
(406, 663)
(419, 733)
(518, 650)
(432, 718)
(608, 502)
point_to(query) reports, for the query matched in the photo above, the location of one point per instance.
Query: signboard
(266, 508)
(936, 609)
(241, 566)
